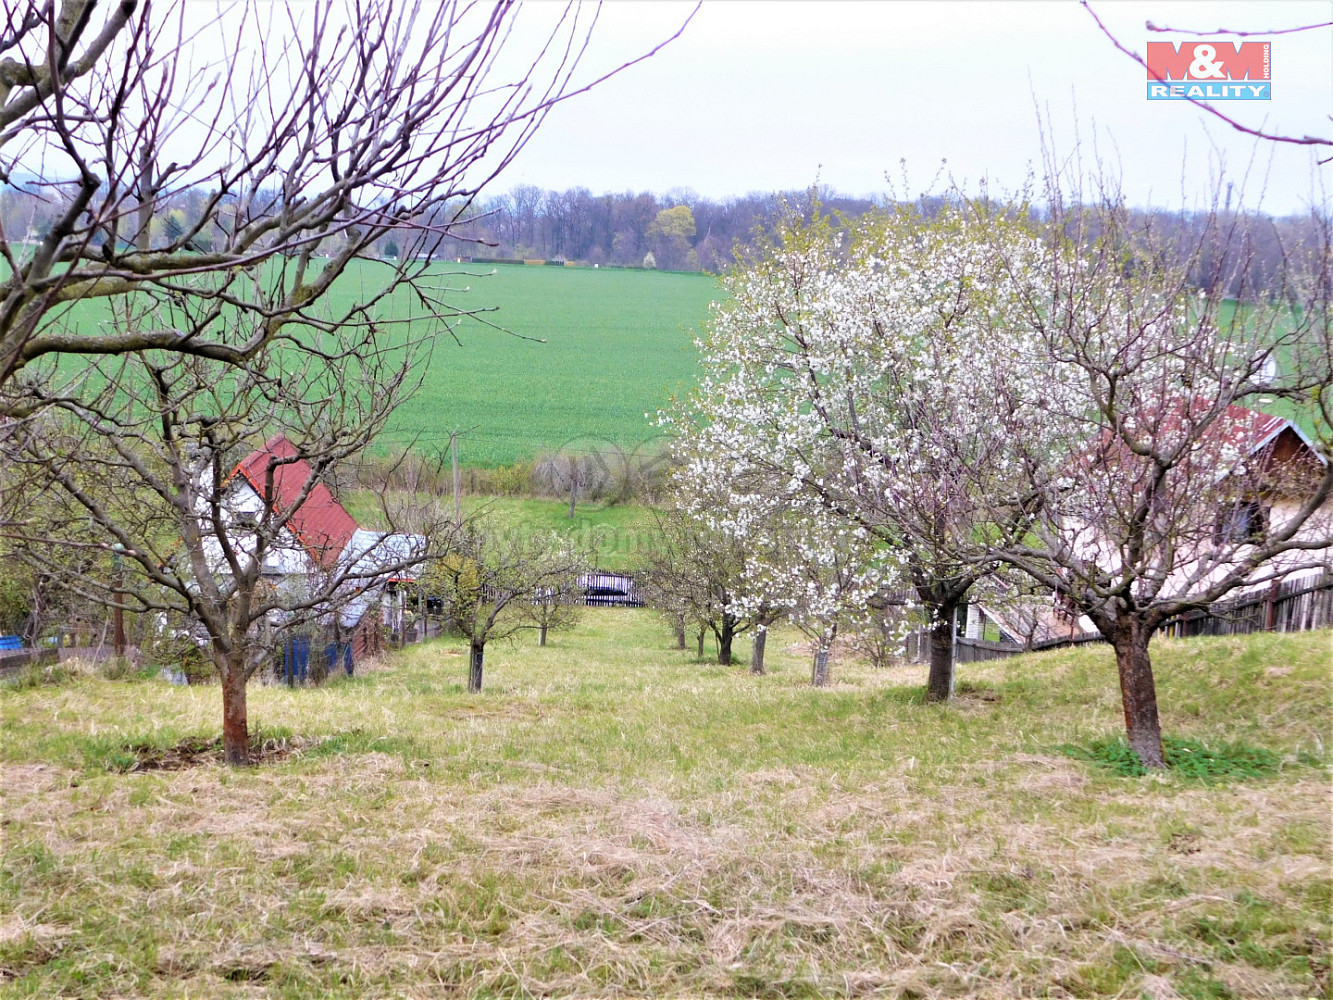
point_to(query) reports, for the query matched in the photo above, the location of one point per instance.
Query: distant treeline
(680, 230)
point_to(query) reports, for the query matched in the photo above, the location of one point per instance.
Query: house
(1259, 470)
(1246, 473)
(320, 550)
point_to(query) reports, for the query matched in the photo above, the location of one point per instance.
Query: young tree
(704, 573)
(1154, 484)
(695, 577)
(555, 608)
(493, 582)
(244, 160)
(857, 377)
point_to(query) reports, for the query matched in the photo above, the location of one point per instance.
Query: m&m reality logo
(1210, 71)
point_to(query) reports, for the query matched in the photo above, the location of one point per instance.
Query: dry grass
(610, 818)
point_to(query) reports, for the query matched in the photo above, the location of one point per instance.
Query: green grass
(617, 345)
(1187, 758)
(622, 536)
(610, 817)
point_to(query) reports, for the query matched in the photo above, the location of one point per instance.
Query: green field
(618, 343)
(610, 817)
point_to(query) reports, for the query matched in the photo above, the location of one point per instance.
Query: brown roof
(321, 523)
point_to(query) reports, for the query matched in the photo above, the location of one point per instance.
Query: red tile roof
(1249, 430)
(1246, 431)
(321, 523)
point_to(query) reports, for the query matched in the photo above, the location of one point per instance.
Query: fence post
(1270, 606)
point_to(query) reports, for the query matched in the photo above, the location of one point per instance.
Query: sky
(763, 95)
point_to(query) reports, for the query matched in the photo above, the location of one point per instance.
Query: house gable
(321, 524)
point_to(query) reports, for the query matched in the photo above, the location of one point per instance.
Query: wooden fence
(979, 650)
(14, 660)
(1291, 606)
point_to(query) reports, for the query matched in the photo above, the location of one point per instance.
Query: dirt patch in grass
(196, 751)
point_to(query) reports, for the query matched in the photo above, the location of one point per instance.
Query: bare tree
(572, 471)
(696, 578)
(494, 582)
(155, 458)
(554, 608)
(1157, 478)
(209, 182)
(243, 161)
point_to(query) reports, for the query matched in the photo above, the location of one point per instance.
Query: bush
(176, 650)
(510, 480)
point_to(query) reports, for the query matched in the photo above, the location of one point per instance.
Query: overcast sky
(765, 95)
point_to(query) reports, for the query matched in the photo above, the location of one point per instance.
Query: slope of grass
(621, 536)
(610, 817)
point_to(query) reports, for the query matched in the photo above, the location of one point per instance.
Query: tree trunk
(680, 636)
(1138, 692)
(476, 652)
(541, 636)
(701, 644)
(757, 651)
(819, 674)
(724, 638)
(939, 685)
(235, 724)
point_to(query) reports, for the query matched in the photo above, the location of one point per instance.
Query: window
(1242, 522)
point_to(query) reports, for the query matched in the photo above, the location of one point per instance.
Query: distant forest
(683, 231)
(686, 232)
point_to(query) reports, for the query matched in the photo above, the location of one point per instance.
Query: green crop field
(617, 345)
(605, 348)
(593, 353)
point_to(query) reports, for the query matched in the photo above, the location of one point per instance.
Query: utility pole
(453, 453)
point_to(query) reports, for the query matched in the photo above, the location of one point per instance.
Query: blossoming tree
(1159, 480)
(855, 378)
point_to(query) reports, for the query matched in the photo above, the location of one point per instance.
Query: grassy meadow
(611, 817)
(622, 536)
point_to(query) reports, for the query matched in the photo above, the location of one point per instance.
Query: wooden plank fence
(1287, 606)
(979, 650)
(14, 660)
(1291, 606)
